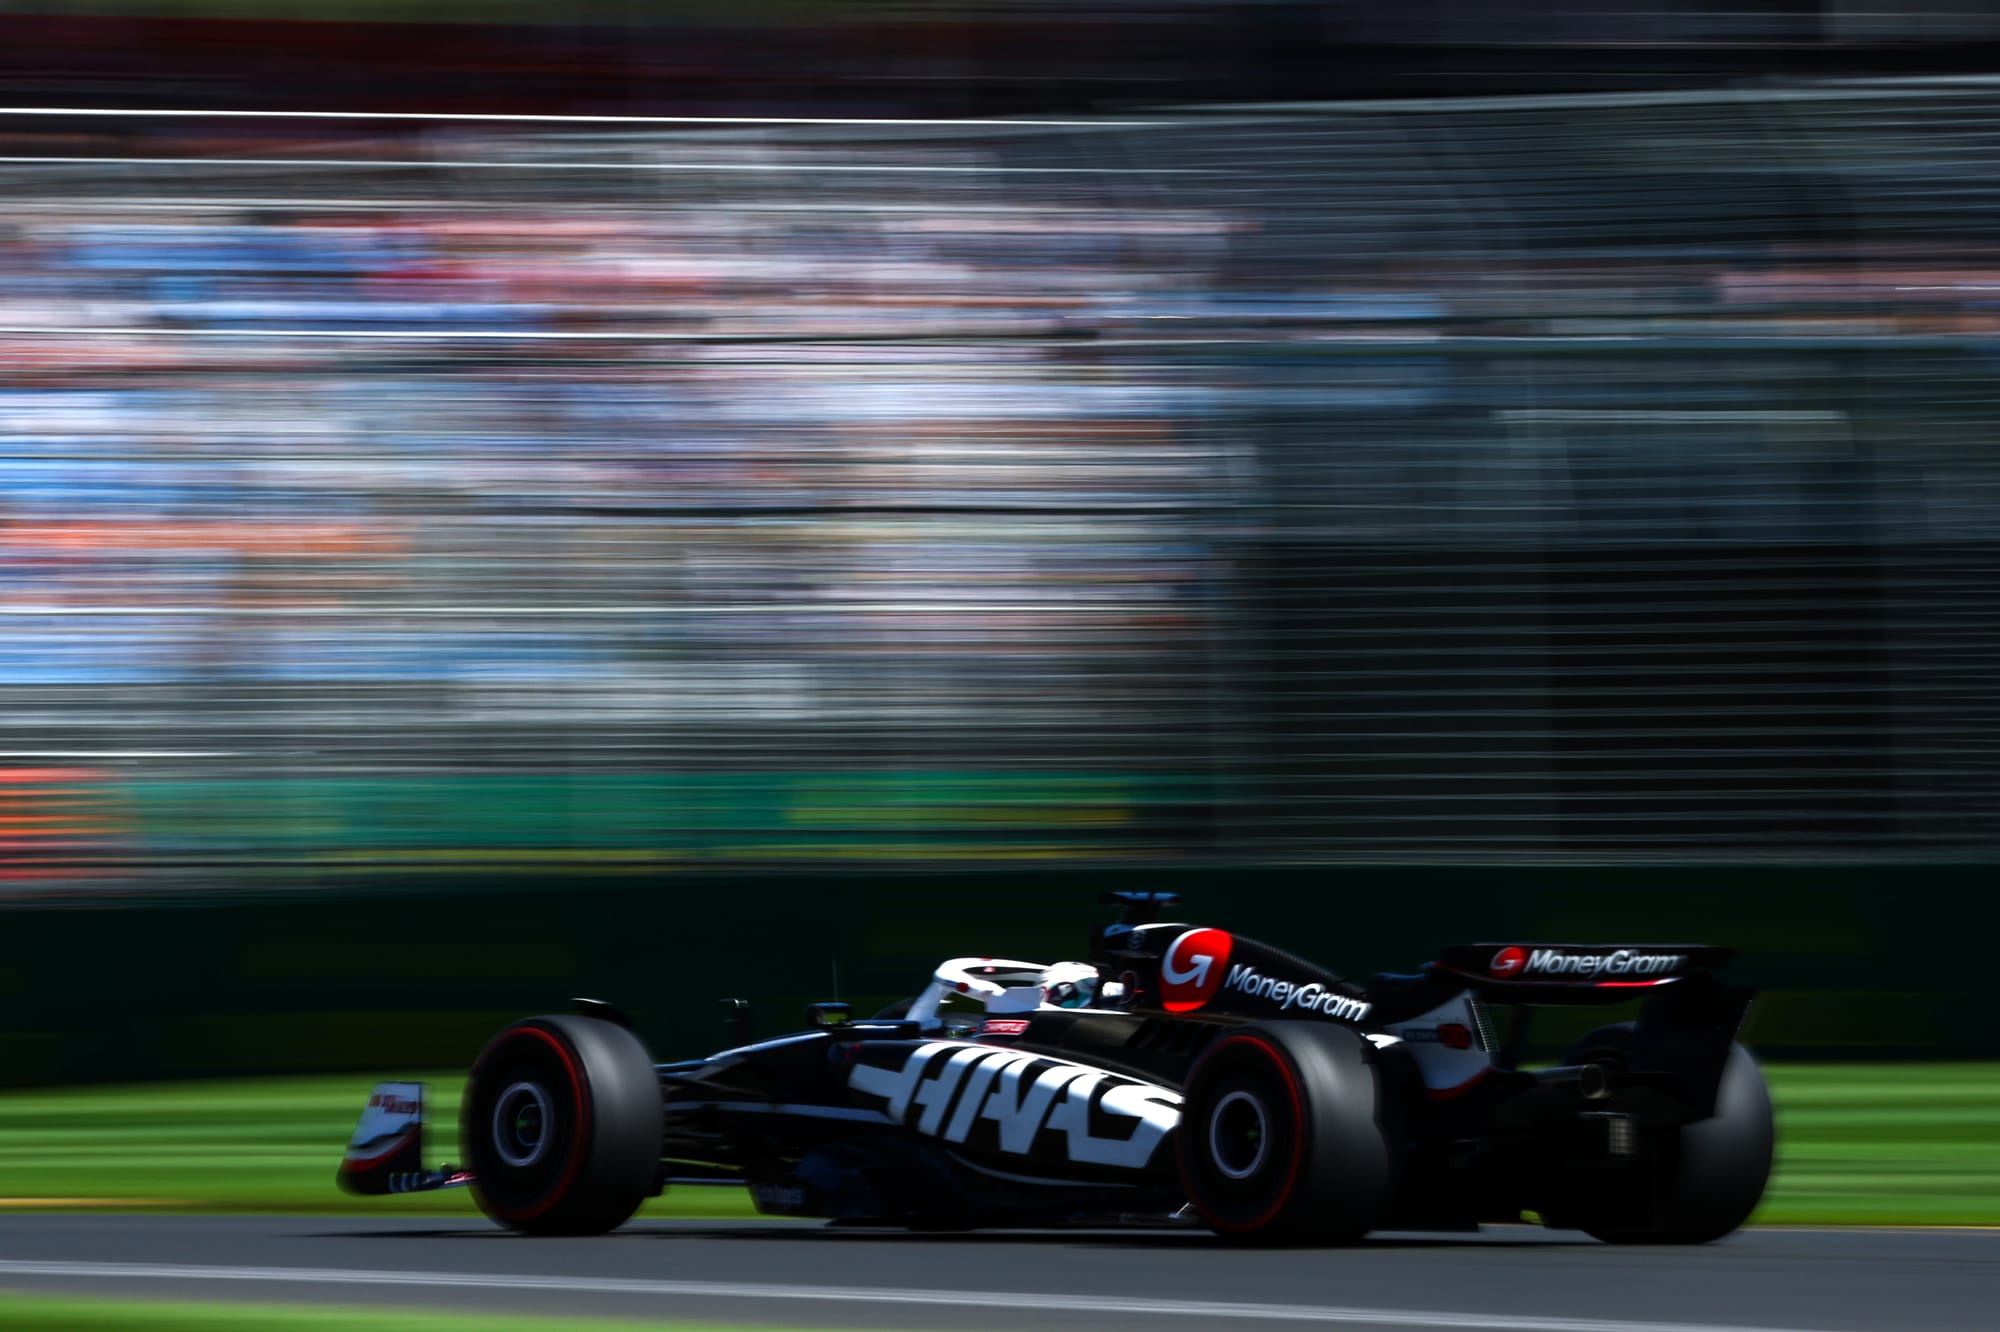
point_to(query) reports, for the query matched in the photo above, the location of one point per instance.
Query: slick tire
(561, 1126)
(1282, 1140)
(1716, 1169)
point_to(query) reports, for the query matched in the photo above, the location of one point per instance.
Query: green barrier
(651, 817)
(359, 972)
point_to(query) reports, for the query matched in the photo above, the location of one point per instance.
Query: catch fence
(1497, 481)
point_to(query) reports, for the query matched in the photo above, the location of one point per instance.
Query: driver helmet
(1069, 985)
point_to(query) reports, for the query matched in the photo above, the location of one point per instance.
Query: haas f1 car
(1182, 1074)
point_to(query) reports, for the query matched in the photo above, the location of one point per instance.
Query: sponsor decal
(1312, 997)
(1522, 964)
(1003, 1027)
(1192, 969)
(1023, 1104)
(779, 1198)
(393, 1109)
(1451, 1035)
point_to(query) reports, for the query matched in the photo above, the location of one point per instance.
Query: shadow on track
(1081, 1237)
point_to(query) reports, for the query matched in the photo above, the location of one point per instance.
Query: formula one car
(1182, 1074)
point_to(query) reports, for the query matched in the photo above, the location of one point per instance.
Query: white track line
(477, 118)
(484, 164)
(1012, 1301)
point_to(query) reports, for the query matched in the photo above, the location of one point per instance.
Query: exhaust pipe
(1591, 1081)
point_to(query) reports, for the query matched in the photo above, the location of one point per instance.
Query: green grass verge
(262, 1145)
(1907, 1144)
(61, 1313)
(1889, 1144)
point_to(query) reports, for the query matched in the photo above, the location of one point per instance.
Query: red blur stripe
(1451, 1093)
(54, 819)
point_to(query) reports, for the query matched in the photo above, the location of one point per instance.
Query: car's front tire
(561, 1126)
(1281, 1139)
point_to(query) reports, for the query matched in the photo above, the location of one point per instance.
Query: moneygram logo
(1192, 970)
(1589, 966)
(1521, 964)
(1311, 996)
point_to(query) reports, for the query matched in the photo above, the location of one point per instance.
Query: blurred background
(749, 499)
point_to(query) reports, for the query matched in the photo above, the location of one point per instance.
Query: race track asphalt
(797, 1274)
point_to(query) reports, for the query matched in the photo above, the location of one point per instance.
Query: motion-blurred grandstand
(1583, 477)
(790, 493)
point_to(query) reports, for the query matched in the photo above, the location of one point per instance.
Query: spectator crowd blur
(350, 439)
(1055, 451)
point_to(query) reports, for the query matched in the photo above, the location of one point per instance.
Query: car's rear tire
(561, 1126)
(1715, 1169)
(1281, 1139)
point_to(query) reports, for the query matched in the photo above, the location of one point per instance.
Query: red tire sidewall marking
(582, 1140)
(1276, 1058)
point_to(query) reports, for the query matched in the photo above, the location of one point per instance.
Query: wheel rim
(523, 1120)
(1239, 1135)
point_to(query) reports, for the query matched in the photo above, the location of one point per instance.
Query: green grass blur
(58, 1313)
(1893, 1144)
(253, 1145)
(1903, 1144)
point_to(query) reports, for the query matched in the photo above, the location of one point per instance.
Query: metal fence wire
(1589, 478)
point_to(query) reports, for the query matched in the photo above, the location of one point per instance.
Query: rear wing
(1687, 1017)
(1553, 973)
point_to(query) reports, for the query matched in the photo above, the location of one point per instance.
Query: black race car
(1182, 1075)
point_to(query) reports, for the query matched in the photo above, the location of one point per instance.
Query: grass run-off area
(1902, 1144)
(72, 1314)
